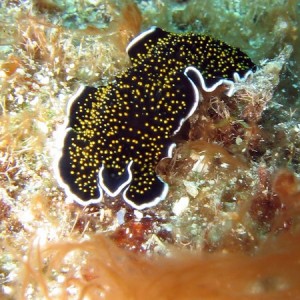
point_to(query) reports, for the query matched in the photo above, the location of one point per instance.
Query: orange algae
(96, 268)
(286, 184)
(108, 272)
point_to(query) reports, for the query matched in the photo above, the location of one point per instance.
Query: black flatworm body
(115, 135)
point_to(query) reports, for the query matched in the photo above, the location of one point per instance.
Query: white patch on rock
(191, 188)
(180, 206)
(201, 166)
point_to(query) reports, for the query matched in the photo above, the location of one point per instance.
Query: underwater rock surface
(233, 179)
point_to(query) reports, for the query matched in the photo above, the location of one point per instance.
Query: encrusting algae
(229, 226)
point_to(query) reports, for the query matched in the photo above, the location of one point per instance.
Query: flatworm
(114, 136)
